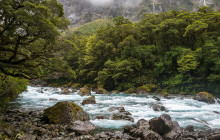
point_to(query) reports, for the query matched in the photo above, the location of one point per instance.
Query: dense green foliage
(176, 51)
(28, 31)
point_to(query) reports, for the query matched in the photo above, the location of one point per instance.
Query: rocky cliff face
(83, 11)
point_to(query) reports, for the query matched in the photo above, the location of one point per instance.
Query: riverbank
(25, 113)
(23, 125)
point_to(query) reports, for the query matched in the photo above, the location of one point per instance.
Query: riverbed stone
(204, 97)
(82, 127)
(123, 115)
(65, 91)
(90, 100)
(111, 109)
(84, 92)
(102, 91)
(64, 113)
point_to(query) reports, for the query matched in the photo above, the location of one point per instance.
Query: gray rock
(82, 127)
(156, 98)
(122, 116)
(111, 109)
(90, 100)
(164, 124)
(84, 92)
(189, 128)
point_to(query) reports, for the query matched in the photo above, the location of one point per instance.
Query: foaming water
(185, 111)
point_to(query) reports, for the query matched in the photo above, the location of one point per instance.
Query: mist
(100, 2)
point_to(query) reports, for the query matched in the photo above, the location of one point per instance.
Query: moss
(91, 97)
(164, 93)
(130, 90)
(144, 87)
(84, 90)
(10, 88)
(56, 113)
(206, 94)
(76, 85)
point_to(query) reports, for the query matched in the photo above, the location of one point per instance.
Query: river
(185, 111)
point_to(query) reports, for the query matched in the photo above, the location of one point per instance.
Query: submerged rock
(156, 98)
(84, 92)
(111, 109)
(90, 100)
(204, 97)
(64, 113)
(157, 107)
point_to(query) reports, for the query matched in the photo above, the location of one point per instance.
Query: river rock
(204, 97)
(84, 92)
(151, 135)
(141, 92)
(65, 91)
(102, 91)
(156, 98)
(64, 113)
(141, 122)
(163, 125)
(28, 137)
(216, 112)
(84, 137)
(52, 99)
(157, 107)
(90, 100)
(111, 109)
(189, 128)
(99, 117)
(123, 115)
(82, 127)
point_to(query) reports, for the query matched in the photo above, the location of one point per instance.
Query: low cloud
(100, 2)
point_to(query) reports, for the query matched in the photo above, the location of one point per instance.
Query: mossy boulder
(204, 97)
(130, 90)
(90, 100)
(102, 91)
(64, 113)
(143, 90)
(84, 92)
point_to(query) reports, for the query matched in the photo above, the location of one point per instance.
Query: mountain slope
(84, 11)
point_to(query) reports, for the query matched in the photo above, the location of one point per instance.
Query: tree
(28, 30)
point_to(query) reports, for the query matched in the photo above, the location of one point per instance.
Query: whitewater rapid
(185, 111)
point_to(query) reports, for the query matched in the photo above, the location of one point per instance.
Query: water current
(185, 111)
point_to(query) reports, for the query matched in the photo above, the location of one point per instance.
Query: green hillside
(91, 27)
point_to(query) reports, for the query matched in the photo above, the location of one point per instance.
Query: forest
(175, 52)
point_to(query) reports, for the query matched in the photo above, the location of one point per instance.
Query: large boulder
(84, 92)
(90, 100)
(64, 113)
(102, 91)
(164, 126)
(204, 97)
(81, 127)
